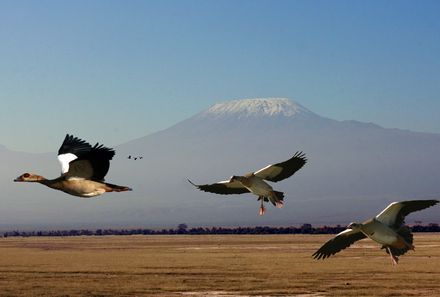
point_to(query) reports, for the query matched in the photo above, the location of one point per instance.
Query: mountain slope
(354, 170)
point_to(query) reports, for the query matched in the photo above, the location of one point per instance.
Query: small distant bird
(134, 158)
(387, 229)
(254, 183)
(83, 169)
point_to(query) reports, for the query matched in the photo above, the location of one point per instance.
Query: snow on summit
(257, 107)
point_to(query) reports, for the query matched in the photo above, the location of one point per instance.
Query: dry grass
(221, 266)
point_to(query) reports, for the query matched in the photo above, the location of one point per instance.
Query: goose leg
(394, 259)
(262, 209)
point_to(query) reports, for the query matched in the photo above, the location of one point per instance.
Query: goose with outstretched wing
(255, 182)
(83, 168)
(387, 229)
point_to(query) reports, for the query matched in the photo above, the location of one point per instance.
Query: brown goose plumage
(83, 169)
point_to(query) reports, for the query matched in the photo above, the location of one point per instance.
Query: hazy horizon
(354, 170)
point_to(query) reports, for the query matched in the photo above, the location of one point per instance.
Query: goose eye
(26, 175)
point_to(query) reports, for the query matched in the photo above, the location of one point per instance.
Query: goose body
(83, 169)
(255, 182)
(387, 229)
(80, 187)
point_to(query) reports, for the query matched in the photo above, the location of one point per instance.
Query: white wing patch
(268, 171)
(347, 232)
(229, 184)
(64, 160)
(388, 215)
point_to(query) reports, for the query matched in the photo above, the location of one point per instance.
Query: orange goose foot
(262, 208)
(279, 204)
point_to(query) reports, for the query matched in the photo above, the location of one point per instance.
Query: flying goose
(254, 183)
(387, 229)
(83, 169)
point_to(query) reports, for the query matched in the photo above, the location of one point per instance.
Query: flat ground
(231, 265)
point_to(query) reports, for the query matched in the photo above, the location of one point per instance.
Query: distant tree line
(183, 229)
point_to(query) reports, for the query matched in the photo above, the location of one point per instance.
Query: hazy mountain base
(354, 170)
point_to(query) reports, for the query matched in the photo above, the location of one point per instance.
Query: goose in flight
(254, 182)
(83, 169)
(387, 229)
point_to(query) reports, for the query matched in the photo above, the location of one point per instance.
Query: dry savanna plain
(212, 265)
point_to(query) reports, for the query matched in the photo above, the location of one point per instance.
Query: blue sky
(111, 71)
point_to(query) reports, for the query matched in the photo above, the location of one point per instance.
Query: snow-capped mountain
(256, 108)
(354, 170)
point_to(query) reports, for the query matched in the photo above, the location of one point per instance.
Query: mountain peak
(257, 107)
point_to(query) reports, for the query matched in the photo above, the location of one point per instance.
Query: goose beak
(18, 179)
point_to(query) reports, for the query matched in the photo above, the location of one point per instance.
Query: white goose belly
(259, 187)
(83, 188)
(380, 233)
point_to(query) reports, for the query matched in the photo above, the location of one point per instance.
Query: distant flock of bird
(130, 157)
(83, 168)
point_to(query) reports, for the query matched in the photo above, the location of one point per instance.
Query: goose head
(29, 177)
(236, 178)
(354, 226)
